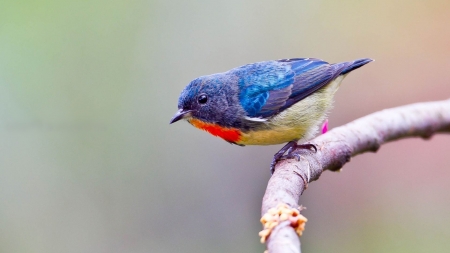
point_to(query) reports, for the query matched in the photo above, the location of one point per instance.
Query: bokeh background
(89, 163)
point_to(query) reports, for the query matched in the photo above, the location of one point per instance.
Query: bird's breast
(229, 134)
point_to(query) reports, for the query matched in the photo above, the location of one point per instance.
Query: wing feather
(270, 87)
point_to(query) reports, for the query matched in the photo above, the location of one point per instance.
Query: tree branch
(336, 147)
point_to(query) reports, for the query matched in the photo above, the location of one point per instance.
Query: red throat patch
(228, 134)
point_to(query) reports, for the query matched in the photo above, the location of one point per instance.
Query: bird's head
(205, 98)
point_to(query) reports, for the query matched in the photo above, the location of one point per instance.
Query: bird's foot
(289, 149)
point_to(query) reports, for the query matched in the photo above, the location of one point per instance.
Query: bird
(265, 103)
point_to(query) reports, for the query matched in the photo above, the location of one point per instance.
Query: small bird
(265, 103)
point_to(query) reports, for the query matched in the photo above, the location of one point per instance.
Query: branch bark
(336, 147)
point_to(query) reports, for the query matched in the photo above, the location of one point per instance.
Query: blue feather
(258, 80)
(356, 64)
(266, 88)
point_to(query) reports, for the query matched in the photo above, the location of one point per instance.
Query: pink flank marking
(325, 126)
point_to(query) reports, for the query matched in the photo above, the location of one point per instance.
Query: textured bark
(336, 147)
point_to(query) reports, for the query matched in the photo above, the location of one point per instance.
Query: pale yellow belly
(273, 136)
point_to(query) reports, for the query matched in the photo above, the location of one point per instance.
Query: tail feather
(355, 64)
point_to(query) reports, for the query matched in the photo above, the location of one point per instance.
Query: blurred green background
(89, 163)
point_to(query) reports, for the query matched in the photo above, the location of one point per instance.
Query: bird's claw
(272, 166)
(290, 150)
(307, 146)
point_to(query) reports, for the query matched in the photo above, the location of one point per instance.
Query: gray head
(212, 99)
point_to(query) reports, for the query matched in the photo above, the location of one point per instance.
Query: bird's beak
(180, 115)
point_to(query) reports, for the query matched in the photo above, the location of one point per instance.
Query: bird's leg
(289, 149)
(292, 154)
(278, 155)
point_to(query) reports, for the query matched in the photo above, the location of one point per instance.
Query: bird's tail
(355, 64)
(341, 71)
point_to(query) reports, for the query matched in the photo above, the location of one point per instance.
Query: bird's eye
(202, 99)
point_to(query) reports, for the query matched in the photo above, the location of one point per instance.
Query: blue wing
(270, 87)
